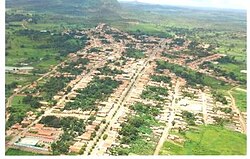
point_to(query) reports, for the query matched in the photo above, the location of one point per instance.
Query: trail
(240, 89)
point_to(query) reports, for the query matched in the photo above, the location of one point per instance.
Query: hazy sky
(236, 4)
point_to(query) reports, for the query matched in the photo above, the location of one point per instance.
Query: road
(204, 107)
(236, 109)
(171, 119)
(124, 98)
(9, 100)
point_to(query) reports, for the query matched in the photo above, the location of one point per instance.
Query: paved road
(171, 119)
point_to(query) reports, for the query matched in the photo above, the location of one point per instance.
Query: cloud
(236, 4)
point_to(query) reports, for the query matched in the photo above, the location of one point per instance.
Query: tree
(105, 136)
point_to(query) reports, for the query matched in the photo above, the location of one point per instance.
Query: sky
(233, 4)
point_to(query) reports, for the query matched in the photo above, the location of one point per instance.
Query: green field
(16, 152)
(20, 79)
(240, 99)
(208, 140)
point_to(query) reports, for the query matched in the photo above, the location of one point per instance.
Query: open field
(16, 152)
(240, 99)
(17, 79)
(210, 140)
(20, 79)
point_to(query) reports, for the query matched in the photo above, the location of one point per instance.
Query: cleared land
(210, 140)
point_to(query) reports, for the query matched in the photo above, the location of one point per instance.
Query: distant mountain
(90, 8)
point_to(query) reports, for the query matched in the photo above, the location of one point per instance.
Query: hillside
(87, 8)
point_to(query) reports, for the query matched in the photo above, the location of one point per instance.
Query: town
(121, 88)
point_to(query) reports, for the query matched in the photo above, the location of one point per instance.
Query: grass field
(22, 49)
(16, 152)
(20, 79)
(208, 140)
(240, 99)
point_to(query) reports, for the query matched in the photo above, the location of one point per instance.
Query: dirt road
(236, 109)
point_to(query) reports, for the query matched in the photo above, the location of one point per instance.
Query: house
(45, 132)
(76, 147)
(86, 136)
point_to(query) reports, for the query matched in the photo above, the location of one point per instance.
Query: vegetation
(145, 109)
(16, 152)
(105, 136)
(164, 79)
(72, 128)
(193, 78)
(219, 97)
(208, 140)
(187, 94)
(67, 123)
(9, 88)
(136, 129)
(97, 90)
(75, 68)
(133, 53)
(171, 56)
(178, 42)
(240, 99)
(222, 70)
(54, 85)
(13, 80)
(189, 117)
(154, 93)
(18, 110)
(109, 72)
(32, 101)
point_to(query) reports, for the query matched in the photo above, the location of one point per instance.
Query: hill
(87, 8)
